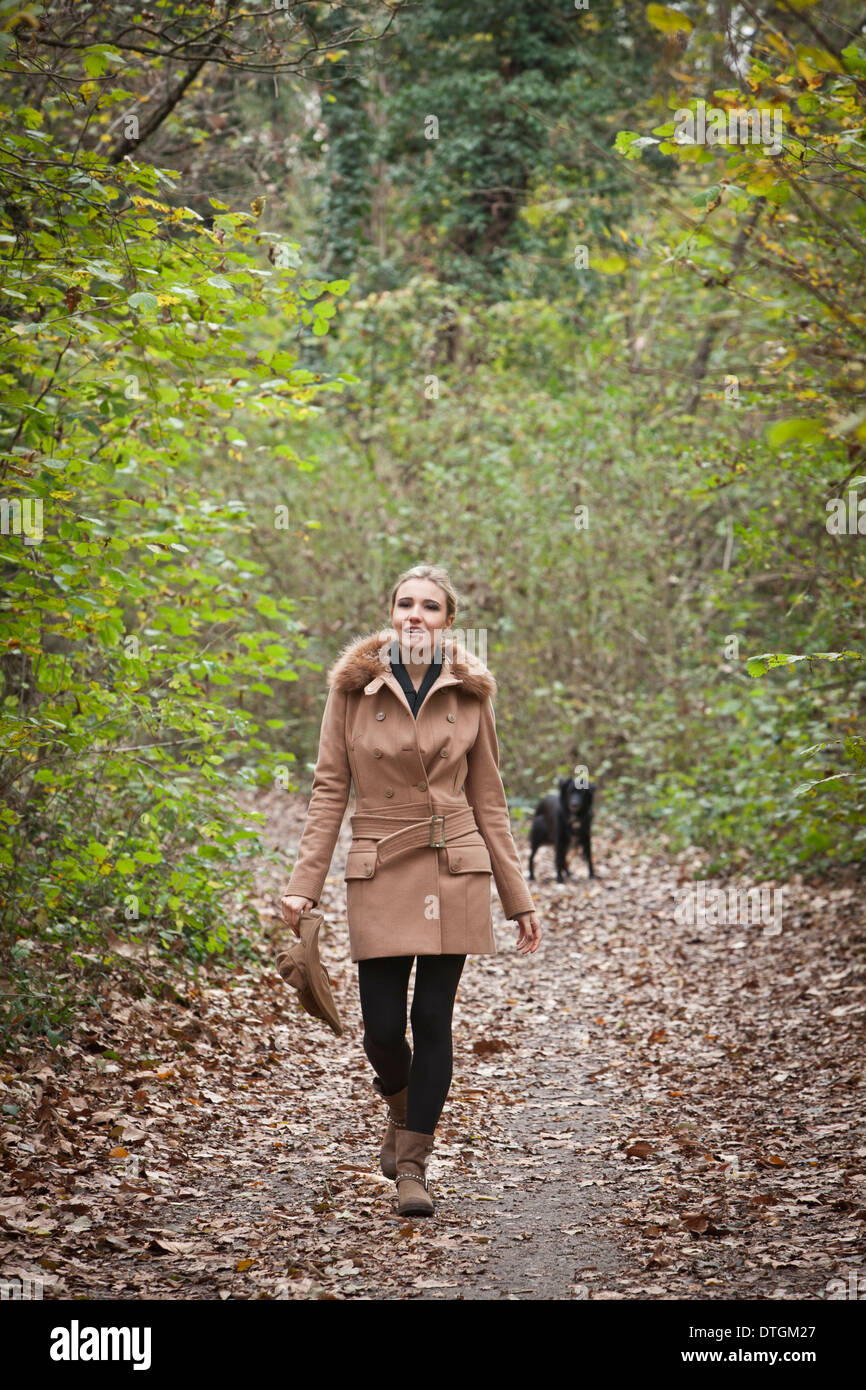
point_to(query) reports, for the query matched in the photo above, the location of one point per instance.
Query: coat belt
(432, 830)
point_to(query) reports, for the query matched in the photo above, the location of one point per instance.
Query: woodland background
(297, 295)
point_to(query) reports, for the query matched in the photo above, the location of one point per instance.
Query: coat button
(422, 786)
(451, 718)
(443, 752)
(389, 791)
(369, 870)
(377, 752)
(381, 714)
(457, 862)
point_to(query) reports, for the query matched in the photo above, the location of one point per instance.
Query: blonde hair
(438, 576)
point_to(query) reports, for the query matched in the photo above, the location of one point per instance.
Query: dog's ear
(563, 783)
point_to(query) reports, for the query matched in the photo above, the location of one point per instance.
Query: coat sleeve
(486, 795)
(330, 795)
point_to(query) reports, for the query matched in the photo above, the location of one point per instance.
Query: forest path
(642, 1109)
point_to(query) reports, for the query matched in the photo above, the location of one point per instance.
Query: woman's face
(419, 608)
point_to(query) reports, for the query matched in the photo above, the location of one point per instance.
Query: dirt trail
(641, 1110)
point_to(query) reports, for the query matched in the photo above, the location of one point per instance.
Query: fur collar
(359, 662)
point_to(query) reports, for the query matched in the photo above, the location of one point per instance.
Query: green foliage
(851, 744)
(484, 130)
(137, 626)
(774, 255)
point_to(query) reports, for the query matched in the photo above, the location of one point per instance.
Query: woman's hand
(291, 908)
(530, 932)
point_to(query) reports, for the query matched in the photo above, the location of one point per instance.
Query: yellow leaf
(761, 182)
(819, 58)
(609, 265)
(243, 1265)
(777, 42)
(783, 361)
(668, 21)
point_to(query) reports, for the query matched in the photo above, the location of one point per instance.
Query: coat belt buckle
(437, 841)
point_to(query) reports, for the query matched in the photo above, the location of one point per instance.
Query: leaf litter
(640, 1110)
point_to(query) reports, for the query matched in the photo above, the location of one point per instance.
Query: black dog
(560, 820)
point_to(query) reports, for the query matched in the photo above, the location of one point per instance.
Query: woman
(409, 721)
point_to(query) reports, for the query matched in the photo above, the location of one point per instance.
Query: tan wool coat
(431, 822)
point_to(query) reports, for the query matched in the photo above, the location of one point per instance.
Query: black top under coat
(416, 699)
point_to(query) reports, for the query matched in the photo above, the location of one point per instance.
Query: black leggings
(383, 983)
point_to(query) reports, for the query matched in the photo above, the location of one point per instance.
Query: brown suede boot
(397, 1108)
(413, 1151)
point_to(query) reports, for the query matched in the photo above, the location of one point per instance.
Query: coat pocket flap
(468, 859)
(360, 863)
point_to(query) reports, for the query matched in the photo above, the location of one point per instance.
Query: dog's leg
(561, 847)
(586, 847)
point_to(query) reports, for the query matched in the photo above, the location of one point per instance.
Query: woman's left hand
(530, 932)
